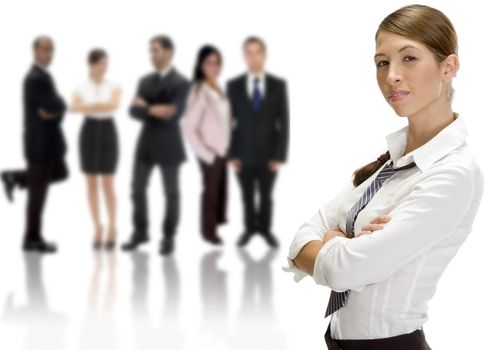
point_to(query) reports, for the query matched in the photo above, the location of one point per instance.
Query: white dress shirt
(92, 92)
(392, 273)
(261, 83)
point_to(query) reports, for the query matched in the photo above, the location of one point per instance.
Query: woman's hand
(235, 164)
(374, 225)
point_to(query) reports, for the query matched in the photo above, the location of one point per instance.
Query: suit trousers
(214, 196)
(257, 179)
(141, 173)
(411, 341)
(36, 179)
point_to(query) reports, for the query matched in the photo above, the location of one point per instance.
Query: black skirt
(99, 149)
(410, 341)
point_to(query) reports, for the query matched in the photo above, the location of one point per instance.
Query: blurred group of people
(245, 125)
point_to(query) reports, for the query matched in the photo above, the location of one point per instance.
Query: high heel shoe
(97, 242)
(110, 244)
(97, 245)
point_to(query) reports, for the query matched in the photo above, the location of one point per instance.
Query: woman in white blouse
(404, 237)
(206, 124)
(98, 99)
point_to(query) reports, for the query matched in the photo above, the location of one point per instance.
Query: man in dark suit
(259, 139)
(44, 144)
(159, 102)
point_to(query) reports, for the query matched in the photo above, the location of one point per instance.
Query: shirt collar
(44, 68)
(424, 156)
(252, 76)
(164, 72)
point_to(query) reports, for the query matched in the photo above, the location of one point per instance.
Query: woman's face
(408, 74)
(99, 68)
(211, 67)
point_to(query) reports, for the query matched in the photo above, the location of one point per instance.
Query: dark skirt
(411, 341)
(98, 146)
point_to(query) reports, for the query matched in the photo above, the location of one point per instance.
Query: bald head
(43, 48)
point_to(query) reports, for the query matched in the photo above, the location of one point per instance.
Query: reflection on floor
(42, 325)
(252, 327)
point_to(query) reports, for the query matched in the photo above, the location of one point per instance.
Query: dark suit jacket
(259, 137)
(43, 139)
(160, 139)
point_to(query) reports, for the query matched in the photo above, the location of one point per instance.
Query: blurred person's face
(255, 57)
(160, 57)
(408, 75)
(43, 53)
(99, 68)
(211, 67)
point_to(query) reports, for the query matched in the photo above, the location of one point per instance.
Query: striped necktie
(338, 299)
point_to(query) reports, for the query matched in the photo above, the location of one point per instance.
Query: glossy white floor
(201, 297)
(139, 301)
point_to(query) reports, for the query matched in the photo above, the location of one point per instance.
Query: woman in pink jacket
(206, 124)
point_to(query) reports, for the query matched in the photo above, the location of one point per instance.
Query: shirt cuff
(298, 274)
(300, 240)
(319, 274)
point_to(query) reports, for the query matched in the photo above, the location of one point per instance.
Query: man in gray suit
(158, 104)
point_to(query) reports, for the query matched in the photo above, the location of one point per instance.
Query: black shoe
(9, 185)
(166, 246)
(270, 239)
(134, 242)
(244, 238)
(214, 240)
(39, 246)
(222, 221)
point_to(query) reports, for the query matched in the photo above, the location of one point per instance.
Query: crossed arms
(50, 106)
(142, 109)
(78, 105)
(159, 110)
(431, 212)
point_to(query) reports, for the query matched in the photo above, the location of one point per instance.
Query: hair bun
(383, 158)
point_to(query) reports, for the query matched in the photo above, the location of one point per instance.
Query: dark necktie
(256, 96)
(338, 299)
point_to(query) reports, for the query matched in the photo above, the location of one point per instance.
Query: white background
(205, 297)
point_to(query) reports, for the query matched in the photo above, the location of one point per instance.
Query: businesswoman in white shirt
(98, 98)
(383, 242)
